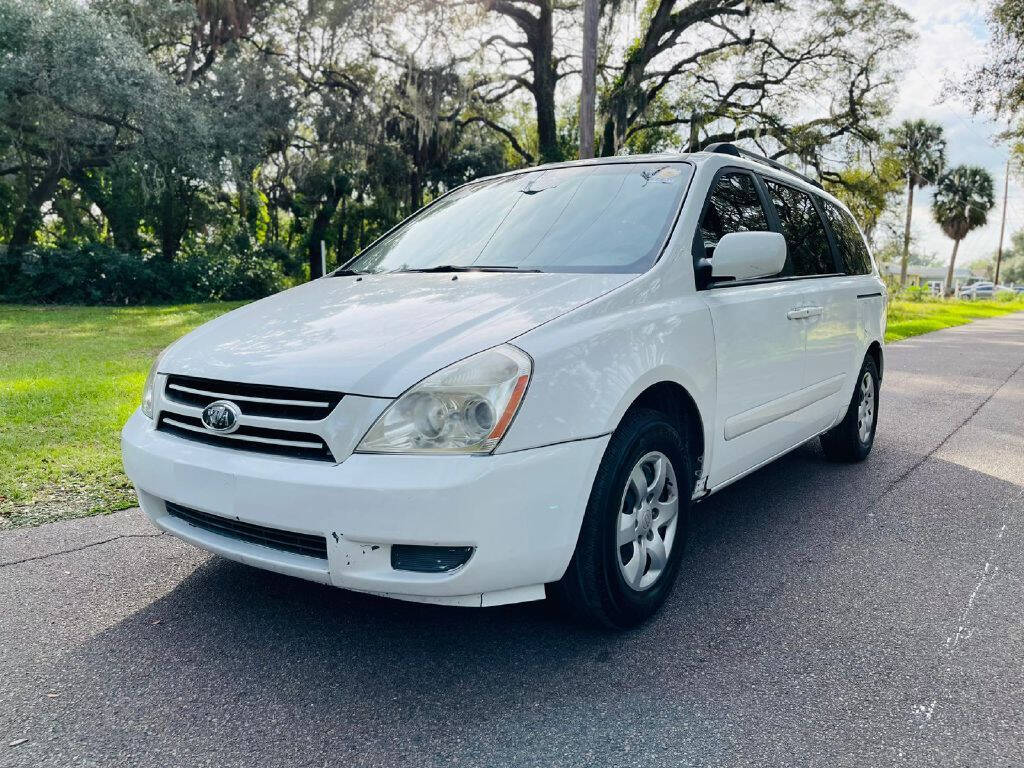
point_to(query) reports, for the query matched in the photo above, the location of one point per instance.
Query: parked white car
(522, 389)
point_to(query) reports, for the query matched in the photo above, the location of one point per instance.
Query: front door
(760, 336)
(760, 331)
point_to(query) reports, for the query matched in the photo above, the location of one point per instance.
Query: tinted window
(851, 245)
(734, 206)
(809, 249)
(591, 218)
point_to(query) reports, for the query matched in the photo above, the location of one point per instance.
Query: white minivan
(522, 389)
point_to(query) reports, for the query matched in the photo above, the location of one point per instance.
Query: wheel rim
(647, 521)
(866, 408)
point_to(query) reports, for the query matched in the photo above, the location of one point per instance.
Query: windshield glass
(592, 218)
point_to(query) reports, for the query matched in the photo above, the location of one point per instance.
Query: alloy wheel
(866, 408)
(647, 521)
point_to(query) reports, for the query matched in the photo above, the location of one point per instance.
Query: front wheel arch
(875, 351)
(673, 400)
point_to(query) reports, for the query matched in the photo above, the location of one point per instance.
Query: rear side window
(809, 249)
(852, 249)
(734, 206)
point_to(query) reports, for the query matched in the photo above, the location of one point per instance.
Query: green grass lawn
(71, 376)
(912, 318)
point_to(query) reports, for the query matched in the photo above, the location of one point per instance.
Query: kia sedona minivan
(521, 390)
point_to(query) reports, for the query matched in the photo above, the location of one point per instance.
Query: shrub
(97, 274)
(917, 293)
(233, 277)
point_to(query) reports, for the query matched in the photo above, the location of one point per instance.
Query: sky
(952, 35)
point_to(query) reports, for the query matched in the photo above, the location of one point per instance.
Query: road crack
(72, 550)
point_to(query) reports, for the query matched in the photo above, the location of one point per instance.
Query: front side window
(806, 237)
(734, 206)
(852, 249)
(614, 217)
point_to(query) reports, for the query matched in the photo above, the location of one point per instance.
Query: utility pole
(588, 92)
(1002, 228)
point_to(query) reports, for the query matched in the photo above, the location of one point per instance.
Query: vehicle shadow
(771, 606)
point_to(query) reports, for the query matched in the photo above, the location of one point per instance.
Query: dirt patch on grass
(64, 504)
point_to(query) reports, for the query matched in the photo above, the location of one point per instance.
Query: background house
(917, 275)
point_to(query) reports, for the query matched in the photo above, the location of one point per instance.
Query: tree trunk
(952, 264)
(175, 216)
(317, 233)
(588, 93)
(318, 227)
(906, 234)
(415, 190)
(544, 81)
(29, 219)
(119, 205)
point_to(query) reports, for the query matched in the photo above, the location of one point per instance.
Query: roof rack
(725, 148)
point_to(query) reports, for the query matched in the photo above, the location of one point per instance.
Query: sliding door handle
(814, 311)
(798, 314)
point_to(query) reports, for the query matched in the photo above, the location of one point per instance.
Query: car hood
(379, 334)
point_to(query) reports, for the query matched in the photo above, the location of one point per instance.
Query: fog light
(410, 557)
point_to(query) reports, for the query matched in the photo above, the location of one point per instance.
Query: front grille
(279, 442)
(186, 396)
(253, 399)
(275, 538)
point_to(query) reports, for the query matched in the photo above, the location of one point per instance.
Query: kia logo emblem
(221, 416)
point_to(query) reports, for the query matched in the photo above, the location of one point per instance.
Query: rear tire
(851, 439)
(635, 527)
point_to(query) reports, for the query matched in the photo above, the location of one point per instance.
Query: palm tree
(962, 201)
(919, 148)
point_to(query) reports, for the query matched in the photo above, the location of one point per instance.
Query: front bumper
(521, 511)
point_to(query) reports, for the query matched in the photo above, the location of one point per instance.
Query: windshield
(592, 218)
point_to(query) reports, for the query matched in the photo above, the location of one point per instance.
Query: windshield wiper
(471, 268)
(346, 273)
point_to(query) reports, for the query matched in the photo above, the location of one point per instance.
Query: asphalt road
(826, 615)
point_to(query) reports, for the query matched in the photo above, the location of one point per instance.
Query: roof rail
(725, 148)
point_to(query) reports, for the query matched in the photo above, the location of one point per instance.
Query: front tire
(851, 439)
(635, 528)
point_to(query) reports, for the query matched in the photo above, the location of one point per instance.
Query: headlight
(147, 390)
(464, 408)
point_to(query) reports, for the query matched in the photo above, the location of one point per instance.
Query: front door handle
(802, 313)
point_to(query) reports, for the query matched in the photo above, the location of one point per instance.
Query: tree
(530, 62)
(1012, 270)
(997, 86)
(729, 70)
(252, 127)
(867, 191)
(919, 149)
(963, 198)
(77, 93)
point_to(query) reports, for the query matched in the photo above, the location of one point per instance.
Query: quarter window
(809, 249)
(734, 206)
(854, 253)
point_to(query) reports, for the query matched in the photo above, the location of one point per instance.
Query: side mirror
(748, 256)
